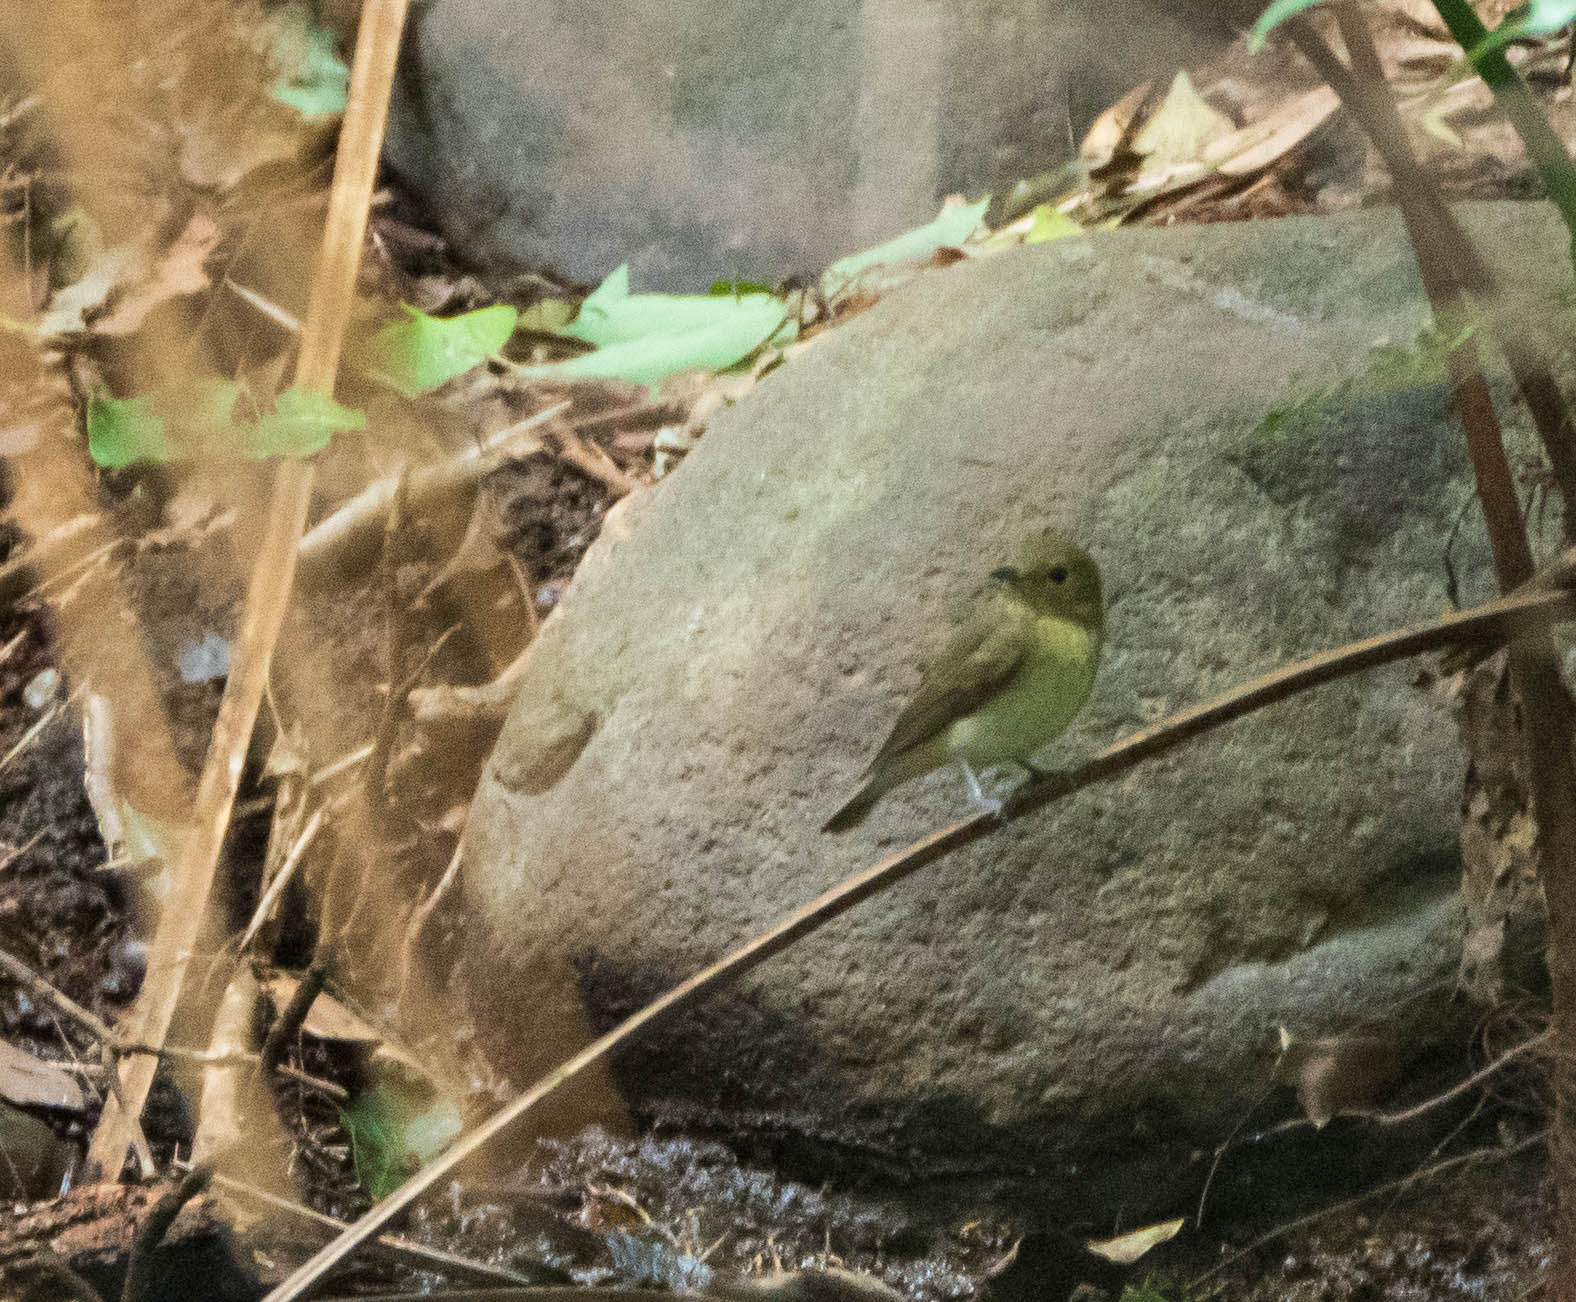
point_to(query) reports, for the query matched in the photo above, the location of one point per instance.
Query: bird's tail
(856, 810)
(890, 772)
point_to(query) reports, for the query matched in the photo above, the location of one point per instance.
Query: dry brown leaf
(179, 272)
(1127, 1248)
(328, 1019)
(1111, 127)
(1174, 140)
(1256, 146)
(1345, 1073)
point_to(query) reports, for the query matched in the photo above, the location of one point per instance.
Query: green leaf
(1272, 17)
(650, 359)
(301, 423)
(733, 288)
(429, 1133)
(951, 227)
(312, 79)
(208, 411)
(418, 354)
(394, 1128)
(122, 431)
(202, 420)
(1538, 18)
(612, 315)
(1544, 145)
(1050, 223)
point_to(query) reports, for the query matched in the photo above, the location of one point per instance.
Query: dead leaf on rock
(31, 1082)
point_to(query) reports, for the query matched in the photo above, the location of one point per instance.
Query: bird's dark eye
(1059, 574)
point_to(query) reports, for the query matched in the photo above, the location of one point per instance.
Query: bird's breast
(1037, 702)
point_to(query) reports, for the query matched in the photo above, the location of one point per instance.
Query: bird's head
(1055, 576)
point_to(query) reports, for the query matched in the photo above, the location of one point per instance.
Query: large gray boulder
(699, 141)
(1102, 978)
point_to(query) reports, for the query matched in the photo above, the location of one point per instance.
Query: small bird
(1010, 682)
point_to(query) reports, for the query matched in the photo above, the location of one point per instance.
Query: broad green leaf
(951, 227)
(122, 431)
(430, 1133)
(207, 411)
(418, 354)
(301, 423)
(612, 315)
(1050, 223)
(650, 359)
(1538, 18)
(202, 420)
(1272, 17)
(1544, 145)
(312, 79)
(394, 1128)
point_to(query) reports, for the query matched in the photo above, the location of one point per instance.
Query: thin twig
(139, 1268)
(56, 552)
(1430, 1104)
(420, 916)
(11, 647)
(276, 888)
(396, 629)
(1395, 1186)
(418, 1254)
(19, 972)
(12, 855)
(343, 764)
(293, 1016)
(32, 734)
(348, 535)
(221, 1057)
(591, 461)
(1505, 617)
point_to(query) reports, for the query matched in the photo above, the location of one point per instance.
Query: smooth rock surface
(754, 139)
(1088, 994)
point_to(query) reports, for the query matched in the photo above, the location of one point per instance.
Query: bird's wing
(973, 668)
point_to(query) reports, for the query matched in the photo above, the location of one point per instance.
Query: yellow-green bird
(1010, 682)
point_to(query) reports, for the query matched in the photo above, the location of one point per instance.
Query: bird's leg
(989, 803)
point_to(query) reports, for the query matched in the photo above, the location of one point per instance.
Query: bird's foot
(993, 799)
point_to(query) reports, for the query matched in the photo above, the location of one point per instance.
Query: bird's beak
(1005, 575)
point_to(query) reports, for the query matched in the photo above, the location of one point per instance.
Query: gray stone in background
(699, 141)
(1088, 993)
